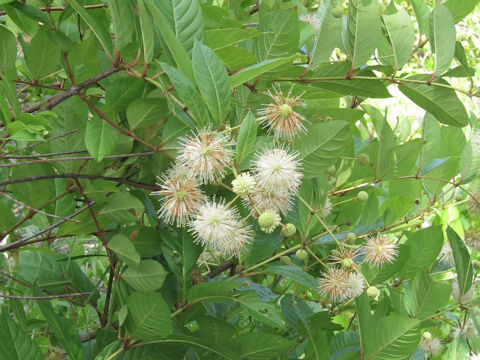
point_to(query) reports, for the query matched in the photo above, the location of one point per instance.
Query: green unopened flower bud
(347, 262)
(427, 335)
(301, 255)
(331, 170)
(458, 197)
(351, 237)
(363, 159)
(372, 291)
(269, 220)
(362, 196)
(338, 12)
(285, 110)
(244, 185)
(289, 230)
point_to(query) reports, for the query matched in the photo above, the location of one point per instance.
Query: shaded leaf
(149, 275)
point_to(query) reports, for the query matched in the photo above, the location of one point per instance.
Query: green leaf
(142, 113)
(185, 20)
(401, 36)
(390, 338)
(345, 346)
(295, 274)
(280, 35)
(246, 137)
(123, 20)
(100, 138)
(42, 55)
(149, 275)
(212, 289)
(97, 28)
(321, 146)
(256, 70)
(212, 80)
(424, 247)
(264, 312)
(63, 328)
(190, 253)
(124, 249)
(442, 37)
(463, 261)
(425, 297)
(261, 346)
(189, 95)
(330, 35)
(215, 330)
(15, 344)
(8, 53)
(174, 46)
(221, 38)
(460, 8)
(441, 102)
(264, 245)
(422, 12)
(118, 206)
(363, 30)
(148, 37)
(148, 316)
(235, 58)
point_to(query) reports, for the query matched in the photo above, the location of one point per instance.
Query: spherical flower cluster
(244, 185)
(327, 208)
(431, 346)
(334, 283)
(341, 285)
(206, 154)
(181, 196)
(269, 220)
(277, 172)
(468, 330)
(474, 357)
(355, 286)
(313, 20)
(219, 228)
(379, 250)
(280, 119)
(472, 239)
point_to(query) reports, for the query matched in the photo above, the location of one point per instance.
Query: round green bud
(301, 254)
(289, 230)
(266, 219)
(338, 12)
(363, 159)
(458, 197)
(362, 196)
(427, 335)
(347, 262)
(351, 237)
(285, 110)
(372, 291)
(331, 170)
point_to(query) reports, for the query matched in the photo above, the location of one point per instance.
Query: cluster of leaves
(94, 98)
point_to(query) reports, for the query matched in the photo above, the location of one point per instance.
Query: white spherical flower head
(244, 185)
(219, 228)
(327, 208)
(278, 169)
(431, 346)
(468, 330)
(269, 220)
(206, 155)
(379, 250)
(334, 283)
(472, 238)
(271, 198)
(474, 357)
(280, 118)
(181, 197)
(355, 286)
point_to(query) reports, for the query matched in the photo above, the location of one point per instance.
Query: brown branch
(49, 297)
(79, 176)
(122, 130)
(104, 320)
(218, 270)
(51, 87)
(21, 242)
(61, 8)
(49, 103)
(120, 156)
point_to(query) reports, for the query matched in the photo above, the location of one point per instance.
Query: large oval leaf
(147, 276)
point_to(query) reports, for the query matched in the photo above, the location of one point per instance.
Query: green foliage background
(94, 98)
